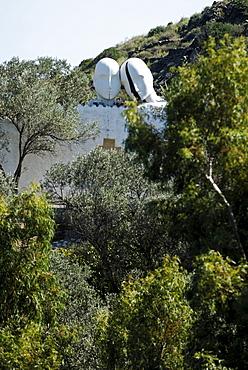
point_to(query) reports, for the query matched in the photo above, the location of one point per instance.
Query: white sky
(80, 29)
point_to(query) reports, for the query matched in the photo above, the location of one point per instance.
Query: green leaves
(34, 100)
(206, 137)
(219, 295)
(29, 296)
(114, 209)
(149, 325)
(79, 314)
(208, 101)
(217, 281)
(146, 141)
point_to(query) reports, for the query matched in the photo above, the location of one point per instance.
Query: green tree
(79, 314)
(7, 185)
(34, 103)
(241, 5)
(149, 325)
(207, 139)
(156, 31)
(146, 141)
(111, 206)
(219, 299)
(29, 296)
(73, 86)
(203, 149)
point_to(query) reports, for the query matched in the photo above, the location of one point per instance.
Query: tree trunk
(2, 170)
(18, 171)
(231, 215)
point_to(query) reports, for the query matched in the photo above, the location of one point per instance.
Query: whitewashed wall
(110, 122)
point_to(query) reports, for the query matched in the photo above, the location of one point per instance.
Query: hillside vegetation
(153, 272)
(180, 43)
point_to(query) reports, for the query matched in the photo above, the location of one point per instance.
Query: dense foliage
(30, 298)
(118, 297)
(38, 101)
(149, 325)
(220, 301)
(203, 152)
(7, 185)
(203, 149)
(82, 306)
(206, 150)
(112, 208)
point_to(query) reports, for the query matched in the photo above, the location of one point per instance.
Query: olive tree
(37, 109)
(7, 185)
(82, 306)
(112, 208)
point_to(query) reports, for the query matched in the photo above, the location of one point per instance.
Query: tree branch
(229, 209)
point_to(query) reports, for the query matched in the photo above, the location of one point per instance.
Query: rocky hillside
(175, 44)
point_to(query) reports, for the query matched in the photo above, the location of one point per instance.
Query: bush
(156, 31)
(217, 31)
(30, 299)
(113, 209)
(149, 325)
(7, 185)
(242, 5)
(219, 293)
(79, 314)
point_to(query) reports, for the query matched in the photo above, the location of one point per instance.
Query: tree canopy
(30, 299)
(38, 101)
(181, 200)
(203, 148)
(149, 324)
(111, 206)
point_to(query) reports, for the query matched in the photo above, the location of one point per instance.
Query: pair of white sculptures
(134, 75)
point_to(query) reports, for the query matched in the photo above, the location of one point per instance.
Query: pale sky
(80, 29)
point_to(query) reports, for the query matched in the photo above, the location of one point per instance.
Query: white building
(113, 133)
